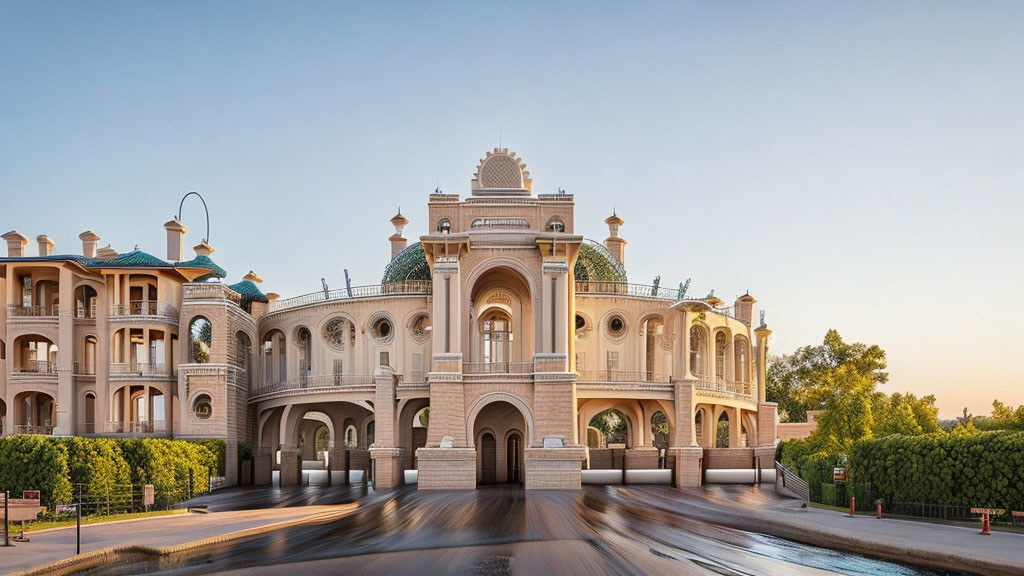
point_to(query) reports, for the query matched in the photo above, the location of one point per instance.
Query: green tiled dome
(410, 264)
(204, 262)
(249, 293)
(137, 258)
(596, 264)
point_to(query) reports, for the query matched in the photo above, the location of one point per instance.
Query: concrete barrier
(650, 476)
(601, 476)
(412, 476)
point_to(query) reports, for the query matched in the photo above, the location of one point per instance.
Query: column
(685, 339)
(386, 456)
(735, 427)
(66, 401)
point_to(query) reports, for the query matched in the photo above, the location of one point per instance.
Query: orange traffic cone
(984, 524)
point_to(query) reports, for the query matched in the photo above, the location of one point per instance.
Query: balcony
(623, 381)
(85, 369)
(39, 430)
(36, 367)
(144, 308)
(135, 427)
(474, 368)
(719, 387)
(315, 384)
(142, 371)
(32, 315)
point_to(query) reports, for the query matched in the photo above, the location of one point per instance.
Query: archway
(500, 305)
(498, 427)
(613, 425)
(722, 431)
(34, 413)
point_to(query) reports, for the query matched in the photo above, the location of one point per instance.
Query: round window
(382, 328)
(616, 325)
(202, 408)
(580, 322)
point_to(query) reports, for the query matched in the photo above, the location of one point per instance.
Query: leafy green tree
(846, 414)
(805, 380)
(904, 414)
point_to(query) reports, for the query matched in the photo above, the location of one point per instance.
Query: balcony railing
(721, 385)
(134, 426)
(128, 370)
(497, 368)
(25, 429)
(85, 368)
(31, 311)
(319, 381)
(623, 376)
(396, 288)
(36, 367)
(144, 308)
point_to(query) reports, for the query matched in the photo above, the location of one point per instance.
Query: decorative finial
(684, 287)
(654, 288)
(561, 190)
(710, 294)
(762, 318)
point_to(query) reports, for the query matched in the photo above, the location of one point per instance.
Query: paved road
(599, 530)
(53, 545)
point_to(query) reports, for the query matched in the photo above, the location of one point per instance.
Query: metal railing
(497, 368)
(28, 429)
(608, 375)
(141, 370)
(395, 288)
(793, 482)
(721, 385)
(144, 308)
(316, 382)
(85, 368)
(31, 311)
(626, 289)
(36, 367)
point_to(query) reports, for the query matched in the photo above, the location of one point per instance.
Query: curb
(113, 554)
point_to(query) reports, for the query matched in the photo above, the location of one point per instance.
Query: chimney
(743, 308)
(398, 243)
(89, 241)
(614, 244)
(46, 245)
(203, 249)
(106, 253)
(175, 240)
(16, 243)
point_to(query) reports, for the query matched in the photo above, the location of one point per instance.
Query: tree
(846, 414)
(904, 414)
(805, 379)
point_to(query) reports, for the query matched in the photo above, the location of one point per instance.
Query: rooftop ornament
(205, 209)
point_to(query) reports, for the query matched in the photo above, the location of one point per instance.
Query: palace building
(496, 349)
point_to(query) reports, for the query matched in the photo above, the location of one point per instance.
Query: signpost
(20, 510)
(839, 474)
(148, 496)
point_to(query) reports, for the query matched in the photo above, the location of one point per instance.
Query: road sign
(30, 495)
(148, 497)
(839, 473)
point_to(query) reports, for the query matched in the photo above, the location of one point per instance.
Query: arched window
(556, 225)
(740, 351)
(351, 437)
(720, 345)
(698, 350)
(88, 365)
(200, 336)
(323, 440)
(305, 353)
(274, 358)
(496, 334)
(85, 302)
(243, 355)
(659, 430)
(444, 226)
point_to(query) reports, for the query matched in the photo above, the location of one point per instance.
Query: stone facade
(496, 349)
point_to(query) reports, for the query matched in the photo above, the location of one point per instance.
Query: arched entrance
(500, 304)
(499, 433)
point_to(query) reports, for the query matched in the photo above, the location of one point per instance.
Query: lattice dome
(410, 264)
(596, 264)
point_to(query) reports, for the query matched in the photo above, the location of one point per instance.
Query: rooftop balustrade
(474, 368)
(410, 287)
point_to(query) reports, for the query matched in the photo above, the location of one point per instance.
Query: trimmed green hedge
(35, 463)
(220, 450)
(53, 465)
(977, 470)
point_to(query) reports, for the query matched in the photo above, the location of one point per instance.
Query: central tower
(502, 306)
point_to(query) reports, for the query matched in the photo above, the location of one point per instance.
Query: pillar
(763, 333)
(66, 400)
(735, 427)
(386, 456)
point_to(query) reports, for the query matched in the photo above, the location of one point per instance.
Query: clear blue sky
(855, 166)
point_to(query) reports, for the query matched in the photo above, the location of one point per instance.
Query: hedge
(52, 465)
(978, 470)
(219, 449)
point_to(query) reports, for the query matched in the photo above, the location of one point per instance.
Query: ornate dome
(501, 172)
(596, 264)
(410, 264)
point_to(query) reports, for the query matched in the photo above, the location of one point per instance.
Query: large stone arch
(482, 401)
(633, 411)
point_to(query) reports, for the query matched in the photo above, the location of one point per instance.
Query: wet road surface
(599, 530)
